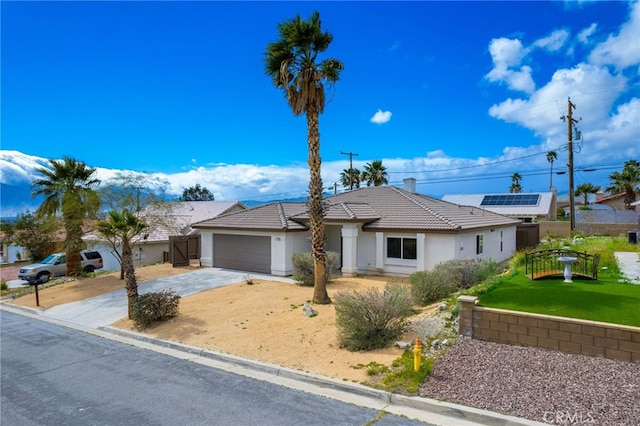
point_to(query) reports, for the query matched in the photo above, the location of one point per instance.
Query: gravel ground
(537, 384)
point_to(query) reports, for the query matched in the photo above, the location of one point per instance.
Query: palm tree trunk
(130, 282)
(316, 214)
(73, 242)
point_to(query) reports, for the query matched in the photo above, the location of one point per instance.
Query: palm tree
(515, 185)
(627, 181)
(375, 174)
(68, 189)
(123, 227)
(350, 178)
(586, 189)
(551, 157)
(291, 63)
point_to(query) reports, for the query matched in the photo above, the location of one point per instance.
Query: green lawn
(604, 300)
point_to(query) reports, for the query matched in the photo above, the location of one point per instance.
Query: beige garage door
(243, 252)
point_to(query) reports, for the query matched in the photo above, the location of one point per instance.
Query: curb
(423, 409)
(454, 412)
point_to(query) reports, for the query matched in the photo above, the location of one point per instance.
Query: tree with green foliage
(375, 174)
(197, 193)
(584, 190)
(137, 193)
(627, 181)
(292, 63)
(68, 188)
(551, 157)
(124, 226)
(35, 235)
(350, 178)
(515, 183)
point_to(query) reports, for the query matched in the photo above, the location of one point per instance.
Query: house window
(501, 241)
(479, 244)
(402, 248)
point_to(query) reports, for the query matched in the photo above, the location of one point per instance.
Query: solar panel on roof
(511, 200)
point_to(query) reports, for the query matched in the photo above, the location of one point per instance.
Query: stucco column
(380, 252)
(421, 260)
(466, 303)
(206, 248)
(349, 250)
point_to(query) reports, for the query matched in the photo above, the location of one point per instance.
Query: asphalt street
(53, 375)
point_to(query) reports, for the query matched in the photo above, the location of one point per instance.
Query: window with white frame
(402, 248)
(479, 243)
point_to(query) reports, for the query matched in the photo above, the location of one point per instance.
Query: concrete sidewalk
(629, 264)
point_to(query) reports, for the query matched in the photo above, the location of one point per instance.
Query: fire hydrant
(417, 355)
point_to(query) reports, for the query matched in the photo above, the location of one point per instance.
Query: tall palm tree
(68, 188)
(293, 65)
(627, 181)
(123, 227)
(350, 178)
(515, 183)
(375, 173)
(586, 189)
(551, 157)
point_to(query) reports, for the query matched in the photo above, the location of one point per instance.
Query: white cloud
(381, 117)
(584, 35)
(552, 42)
(506, 55)
(621, 50)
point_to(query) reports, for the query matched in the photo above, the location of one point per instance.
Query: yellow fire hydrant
(417, 355)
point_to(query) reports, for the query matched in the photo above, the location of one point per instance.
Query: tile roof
(177, 219)
(378, 208)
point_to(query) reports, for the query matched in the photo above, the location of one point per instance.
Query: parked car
(55, 265)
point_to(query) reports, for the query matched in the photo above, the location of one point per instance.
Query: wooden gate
(183, 248)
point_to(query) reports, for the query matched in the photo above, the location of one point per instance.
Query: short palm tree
(515, 183)
(350, 178)
(68, 188)
(375, 174)
(293, 65)
(627, 181)
(586, 189)
(123, 227)
(551, 157)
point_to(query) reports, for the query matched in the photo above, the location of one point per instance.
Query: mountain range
(19, 170)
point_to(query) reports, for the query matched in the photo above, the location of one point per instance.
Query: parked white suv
(55, 265)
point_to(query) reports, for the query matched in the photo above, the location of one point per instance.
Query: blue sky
(459, 95)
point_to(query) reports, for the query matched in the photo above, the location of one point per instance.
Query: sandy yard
(263, 321)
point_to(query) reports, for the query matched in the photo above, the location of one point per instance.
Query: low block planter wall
(575, 336)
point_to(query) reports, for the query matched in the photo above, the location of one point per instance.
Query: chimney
(409, 184)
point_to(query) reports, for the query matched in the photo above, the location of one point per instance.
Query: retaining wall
(568, 335)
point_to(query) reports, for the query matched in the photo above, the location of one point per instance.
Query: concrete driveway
(108, 308)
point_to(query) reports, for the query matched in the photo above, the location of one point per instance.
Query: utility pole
(351, 155)
(570, 123)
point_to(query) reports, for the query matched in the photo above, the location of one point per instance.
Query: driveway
(108, 308)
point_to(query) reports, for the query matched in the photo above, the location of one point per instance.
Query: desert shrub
(303, 267)
(430, 286)
(4, 286)
(155, 306)
(371, 319)
(466, 273)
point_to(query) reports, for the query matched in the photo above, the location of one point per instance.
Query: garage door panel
(243, 252)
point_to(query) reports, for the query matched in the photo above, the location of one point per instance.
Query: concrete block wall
(575, 336)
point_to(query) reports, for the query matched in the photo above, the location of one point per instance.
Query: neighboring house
(528, 207)
(615, 201)
(10, 253)
(153, 245)
(376, 230)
